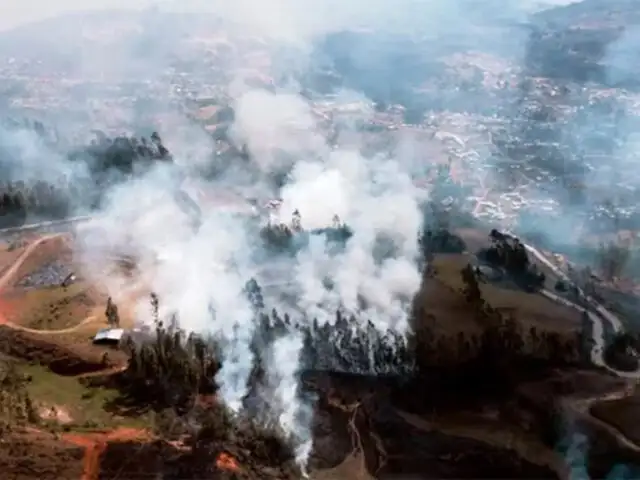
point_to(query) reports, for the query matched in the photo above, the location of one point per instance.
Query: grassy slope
(441, 297)
(83, 405)
(53, 308)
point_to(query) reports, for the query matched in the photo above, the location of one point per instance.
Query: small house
(108, 336)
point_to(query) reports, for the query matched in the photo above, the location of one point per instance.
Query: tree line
(510, 254)
(172, 373)
(169, 368)
(16, 406)
(107, 159)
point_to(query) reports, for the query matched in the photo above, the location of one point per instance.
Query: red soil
(95, 444)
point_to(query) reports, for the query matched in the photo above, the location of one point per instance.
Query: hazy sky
(17, 12)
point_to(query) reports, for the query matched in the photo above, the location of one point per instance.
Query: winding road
(597, 319)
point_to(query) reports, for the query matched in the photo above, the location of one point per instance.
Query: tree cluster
(17, 199)
(475, 365)
(613, 259)
(346, 345)
(16, 406)
(111, 313)
(169, 368)
(12, 125)
(209, 430)
(492, 362)
(434, 241)
(510, 254)
(106, 158)
(282, 237)
(623, 351)
(122, 153)
(173, 373)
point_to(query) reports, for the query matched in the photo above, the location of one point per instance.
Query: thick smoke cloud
(199, 271)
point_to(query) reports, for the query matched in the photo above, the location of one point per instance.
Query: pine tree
(471, 290)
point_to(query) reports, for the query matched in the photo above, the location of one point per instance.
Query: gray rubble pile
(49, 275)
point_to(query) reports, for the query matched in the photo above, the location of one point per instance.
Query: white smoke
(373, 197)
(199, 273)
(294, 416)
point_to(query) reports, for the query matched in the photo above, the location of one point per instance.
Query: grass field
(71, 402)
(53, 308)
(74, 403)
(441, 296)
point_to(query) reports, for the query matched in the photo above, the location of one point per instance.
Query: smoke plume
(321, 164)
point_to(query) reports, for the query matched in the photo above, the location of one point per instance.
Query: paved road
(43, 225)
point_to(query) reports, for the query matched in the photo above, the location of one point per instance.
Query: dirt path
(95, 444)
(13, 269)
(105, 372)
(597, 319)
(15, 326)
(62, 331)
(7, 277)
(583, 406)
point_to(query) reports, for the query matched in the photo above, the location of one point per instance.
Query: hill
(579, 41)
(362, 422)
(505, 372)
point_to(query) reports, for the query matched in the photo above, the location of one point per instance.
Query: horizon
(32, 11)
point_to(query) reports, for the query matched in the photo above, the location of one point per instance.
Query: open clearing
(69, 401)
(40, 252)
(442, 298)
(53, 308)
(60, 357)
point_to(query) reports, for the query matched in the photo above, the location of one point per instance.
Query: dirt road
(93, 443)
(8, 277)
(96, 443)
(13, 269)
